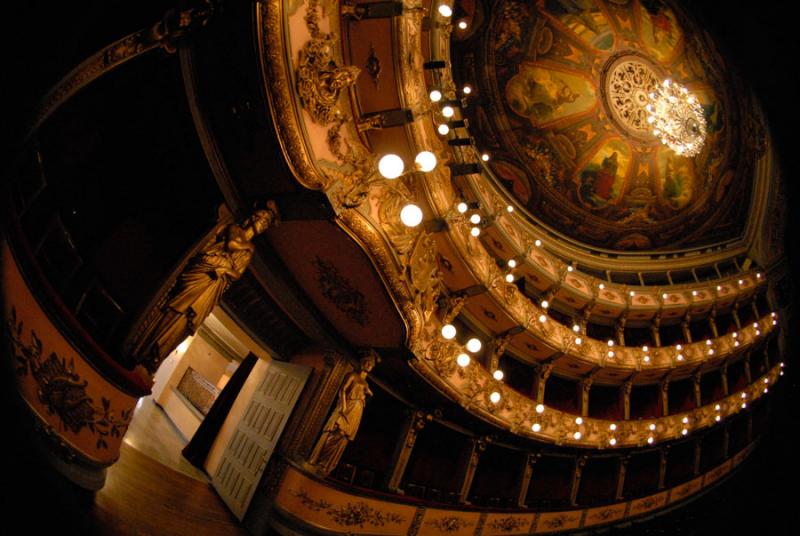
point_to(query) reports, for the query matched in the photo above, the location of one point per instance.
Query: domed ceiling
(561, 89)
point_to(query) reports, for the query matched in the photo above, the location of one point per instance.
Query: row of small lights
(536, 427)
(414, 217)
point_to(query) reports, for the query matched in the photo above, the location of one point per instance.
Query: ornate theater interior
(472, 267)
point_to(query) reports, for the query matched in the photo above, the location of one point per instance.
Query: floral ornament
(62, 390)
(350, 514)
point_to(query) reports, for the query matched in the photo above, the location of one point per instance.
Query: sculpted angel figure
(343, 423)
(200, 286)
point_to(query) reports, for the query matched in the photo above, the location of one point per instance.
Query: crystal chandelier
(677, 118)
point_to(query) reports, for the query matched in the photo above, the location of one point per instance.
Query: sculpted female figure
(343, 423)
(200, 286)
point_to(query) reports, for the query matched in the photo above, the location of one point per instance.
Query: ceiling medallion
(677, 118)
(628, 82)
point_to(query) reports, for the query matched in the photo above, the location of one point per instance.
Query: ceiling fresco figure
(543, 96)
(567, 84)
(585, 20)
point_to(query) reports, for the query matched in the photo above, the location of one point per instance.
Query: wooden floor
(142, 497)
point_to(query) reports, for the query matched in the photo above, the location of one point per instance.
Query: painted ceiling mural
(562, 86)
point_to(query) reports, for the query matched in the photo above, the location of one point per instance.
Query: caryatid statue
(200, 286)
(343, 423)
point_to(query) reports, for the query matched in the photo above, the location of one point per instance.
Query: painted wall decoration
(562, 87)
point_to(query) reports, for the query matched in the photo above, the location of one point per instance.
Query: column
(627, 387)
(413, 425)
(735, 313)
(663, 387)
(477, 447)
(527, 474)
(747, 374)
(620, 327)
(687, 334)
(585, 387)
(580, 462)
(544, 372)
(662, 467)
(712, 322)
(723, 370)
(654, 329)
(623, 469)
(698, 394)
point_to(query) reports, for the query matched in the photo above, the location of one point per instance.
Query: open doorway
(185, 387)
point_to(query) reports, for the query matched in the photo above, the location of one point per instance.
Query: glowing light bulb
(610, 343)
(509, 209)
(680, 357)
(570, 268)
(650, 440)
(475, 218)
(679, 347)
(685, 420)
(601, 286)
(435, 95)
(467, 90)
(612, 441)
(652, 427)
(576, 328)
(509, 278)
(462, 207)
(536, 427)
(537, 243)
(445, 10)
(426, 161)
(632, 294)
(443, 129)
(485, 157)
(647, 359)
(474, 345)
(664, 296)
(448, 331)
(611, 353)
(578, 421)
(462, 25)
(391, 166)
(448, 111)
(475, 231)
(645, 348)
(411, 215)
(576, 435)
(463, 360)
(540, 408)
(612, 427)
(684, 431)
(717, 407)
(542, 319)
(578, 341)
(498, 375)
(545, 304)
(694, 293)
(494, 397)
